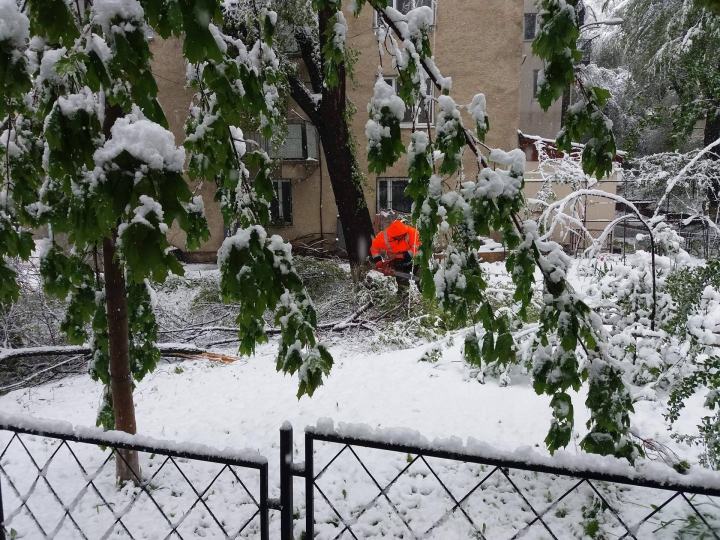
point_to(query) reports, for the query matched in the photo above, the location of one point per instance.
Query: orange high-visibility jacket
(396, 240)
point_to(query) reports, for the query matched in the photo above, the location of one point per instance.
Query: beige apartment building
(484, 45)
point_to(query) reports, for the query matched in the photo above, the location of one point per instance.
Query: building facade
(484, 45)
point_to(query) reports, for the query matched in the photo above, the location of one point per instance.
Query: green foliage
(686, 287)
(460, 210)
(671, 48)
(53, 19)
(333, 51)
(96, 185)
(556, 43)
(388, 151)
(599, 151)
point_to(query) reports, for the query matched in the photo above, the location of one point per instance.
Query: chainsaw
(388, 270)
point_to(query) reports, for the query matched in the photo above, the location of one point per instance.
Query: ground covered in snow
(243, 404)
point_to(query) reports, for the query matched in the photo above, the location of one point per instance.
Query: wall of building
(476, 42)
(313, 202)
(169, 69)
(533, 120)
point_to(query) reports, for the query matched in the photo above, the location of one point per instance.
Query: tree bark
(335, 135)
(710, 135)
(127, 465)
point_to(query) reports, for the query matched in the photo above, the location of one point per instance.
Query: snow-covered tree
(87, 152)
(449, 202)
(672, 49)
(112, 178)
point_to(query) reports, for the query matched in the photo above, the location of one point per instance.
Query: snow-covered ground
(243, 404)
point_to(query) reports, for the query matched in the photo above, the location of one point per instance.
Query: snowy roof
(527, 144)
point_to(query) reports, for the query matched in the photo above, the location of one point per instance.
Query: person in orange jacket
(396, 246)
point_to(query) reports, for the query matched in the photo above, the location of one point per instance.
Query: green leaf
(52, 18)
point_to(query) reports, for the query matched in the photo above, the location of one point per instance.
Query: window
(422, 113)
(391, 195)
(403, 6)
(530, 26)
(281, 205)
(536, 76)
(300, 143)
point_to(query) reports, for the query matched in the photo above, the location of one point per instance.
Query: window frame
(388, 195)
(306, 135)
(279, 187)
(392, 80)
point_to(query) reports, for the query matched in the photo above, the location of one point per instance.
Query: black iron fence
(71, 492)
(544, 514)
(57, 482)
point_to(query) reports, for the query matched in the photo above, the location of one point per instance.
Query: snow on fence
(55, 483)
(532, 490)
(359, 482)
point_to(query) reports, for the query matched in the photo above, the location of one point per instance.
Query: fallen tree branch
(20, 384)
(166, 349)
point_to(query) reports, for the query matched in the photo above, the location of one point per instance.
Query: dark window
(536, 76)
(422, 113)
(281, 205)
(530, 26)
(301, 142)
(391, 195)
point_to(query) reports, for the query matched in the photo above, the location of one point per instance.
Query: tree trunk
(127, 465)
(710, 135)
(335, 137)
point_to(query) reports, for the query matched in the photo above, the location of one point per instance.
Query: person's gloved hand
(407, 257)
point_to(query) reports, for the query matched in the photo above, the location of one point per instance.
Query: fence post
(309, 487)
(286, 482)
(2, 514)
(264, 513)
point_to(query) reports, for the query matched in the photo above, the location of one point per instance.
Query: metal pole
(286, 482)
(264, 513)
(2, 514)
(309, 488)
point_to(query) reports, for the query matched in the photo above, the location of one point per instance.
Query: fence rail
(239, 507)
(112, 442)
(679, 486)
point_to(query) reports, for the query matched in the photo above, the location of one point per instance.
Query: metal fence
(541, 514)
(180, 497)
(185, 491)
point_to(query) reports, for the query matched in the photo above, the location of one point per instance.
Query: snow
(371, 389)
(383, 97)
(128, 11)
(419, 20)
(478, 110)
(14, 26)
(240, 240)
(61, 428)
(47, 65)
(644, 470)
(145, 140)
(72, 103)
(340, 29)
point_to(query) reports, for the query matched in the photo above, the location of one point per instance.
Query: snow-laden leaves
(257, 271)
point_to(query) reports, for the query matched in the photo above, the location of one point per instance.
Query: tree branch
(166, 349)
(310, 52)
(303, 97)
